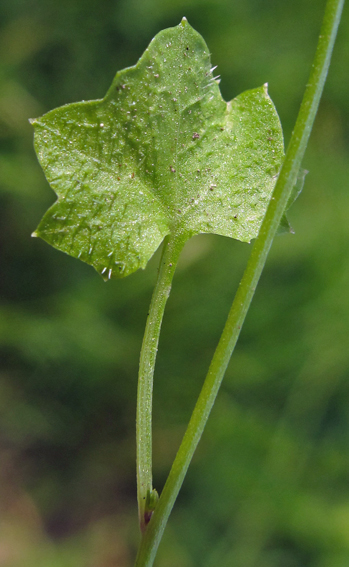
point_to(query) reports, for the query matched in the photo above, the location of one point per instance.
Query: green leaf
(161, 153)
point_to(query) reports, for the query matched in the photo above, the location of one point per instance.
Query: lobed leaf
(161, 153)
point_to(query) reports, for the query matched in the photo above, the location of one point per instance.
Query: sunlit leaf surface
(161, 153)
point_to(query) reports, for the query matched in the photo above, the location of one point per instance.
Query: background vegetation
(269, 486)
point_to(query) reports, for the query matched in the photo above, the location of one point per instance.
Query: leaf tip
(265, 86)
(32, 120)
(184, 21)
(34, 234)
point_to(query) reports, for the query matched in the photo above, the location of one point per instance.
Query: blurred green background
(269, 485)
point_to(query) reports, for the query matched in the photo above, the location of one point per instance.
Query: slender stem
(282, 191)
(170, 253)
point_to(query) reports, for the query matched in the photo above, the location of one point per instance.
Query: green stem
(170, 253)
(244, 295)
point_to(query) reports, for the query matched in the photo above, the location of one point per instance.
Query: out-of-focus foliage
(269, 483)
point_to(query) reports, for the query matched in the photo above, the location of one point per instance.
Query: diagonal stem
(244, 295)
(172, 248)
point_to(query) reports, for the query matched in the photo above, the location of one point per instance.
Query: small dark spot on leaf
(172, 169)
(235, 216)
(118, 178)
(132, 175)
(196, 136)
(156, 76)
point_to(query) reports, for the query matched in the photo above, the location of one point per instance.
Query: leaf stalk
(147, 497)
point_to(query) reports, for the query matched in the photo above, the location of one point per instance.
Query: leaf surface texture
(161, 153)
